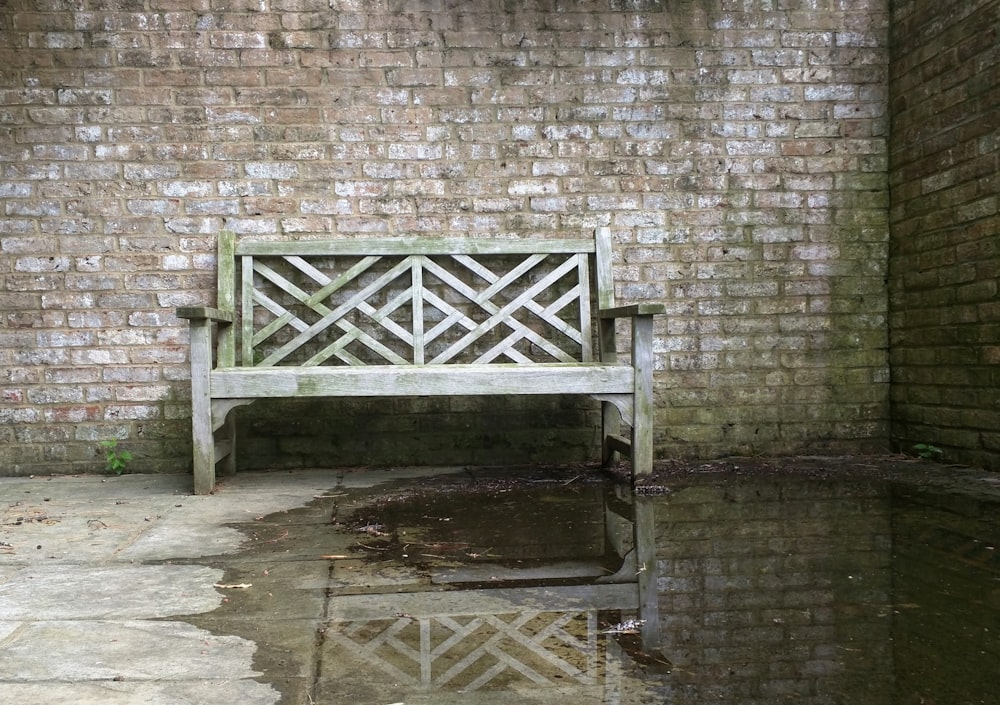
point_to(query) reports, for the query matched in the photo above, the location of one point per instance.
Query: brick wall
(736, 147)
(945, 263)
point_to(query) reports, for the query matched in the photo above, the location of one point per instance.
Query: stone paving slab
(132, 650)
(115, 591)
(92, 569)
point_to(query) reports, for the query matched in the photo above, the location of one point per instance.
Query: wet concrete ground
(479, 587)
(823, 581)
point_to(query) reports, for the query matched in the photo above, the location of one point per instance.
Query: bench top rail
(415, 246)
(413, 301)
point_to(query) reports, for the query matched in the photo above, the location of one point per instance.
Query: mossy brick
(953, 202)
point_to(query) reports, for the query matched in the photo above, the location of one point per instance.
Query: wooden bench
(399, 317)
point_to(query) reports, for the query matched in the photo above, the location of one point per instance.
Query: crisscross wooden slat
(363, 306)
(579, 295)
(547, 314)
(456, 316)
(502, 316)
(354, 333)
(251, 295)
(262, 299)
(327, 320)
(482, 299)
(417, 338)
(313, 301)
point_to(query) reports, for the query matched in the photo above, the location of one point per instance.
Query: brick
(748, 137)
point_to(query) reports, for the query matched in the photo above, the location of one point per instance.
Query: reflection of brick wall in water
(946, 581)
(773, 590)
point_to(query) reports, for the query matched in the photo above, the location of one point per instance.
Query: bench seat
(441, 380)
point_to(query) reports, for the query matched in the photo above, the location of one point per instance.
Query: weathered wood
(642, 401)
(583, 293)
(618, 444)
(605, 278)
(421, 380)
(631, 310)
(201, 406)
(404, 246)
(221, 408)
(227, 460)
(621, 402)
(418, 317)
(226, 277)
(502, 316)
(224, 447)
(205, 313)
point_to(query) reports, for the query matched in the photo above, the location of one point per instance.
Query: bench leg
(642, 422)
(610, 426)
(201, 407)
(229, 462)
(611, 417)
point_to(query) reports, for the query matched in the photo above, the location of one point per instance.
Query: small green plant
(117, 460)
(928, 451)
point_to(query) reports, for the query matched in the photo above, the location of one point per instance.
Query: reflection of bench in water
(481, 639)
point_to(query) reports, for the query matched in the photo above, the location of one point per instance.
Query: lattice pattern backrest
(408, 301)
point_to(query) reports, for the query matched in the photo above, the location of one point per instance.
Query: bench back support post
(227, 296)
(605, 278)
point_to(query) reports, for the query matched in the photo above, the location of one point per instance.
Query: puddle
(717, 584)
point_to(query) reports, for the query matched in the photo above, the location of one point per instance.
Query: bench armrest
(197, 313)
(631, 310)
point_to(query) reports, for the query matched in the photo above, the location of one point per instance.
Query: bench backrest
(405, 301)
